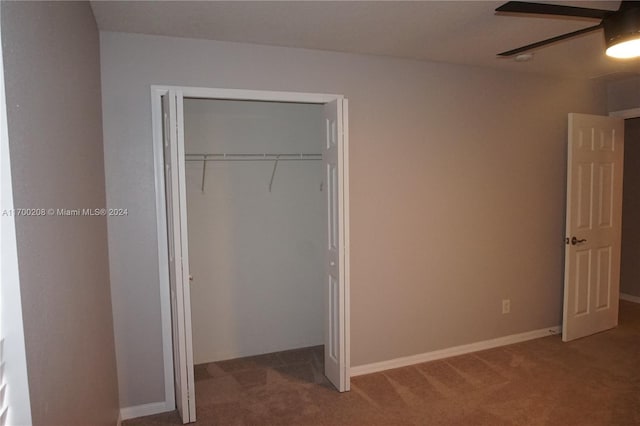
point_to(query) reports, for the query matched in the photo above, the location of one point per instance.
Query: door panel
(583, 282)
(594, 218)
(178, 261)
(603, 287)
(584, 197)
(335, 339)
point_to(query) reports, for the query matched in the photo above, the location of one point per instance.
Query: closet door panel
(335, 347)
(178, 272)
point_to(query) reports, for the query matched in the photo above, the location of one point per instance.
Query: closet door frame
(157, 91)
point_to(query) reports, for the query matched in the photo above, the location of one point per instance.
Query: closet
(256, 223)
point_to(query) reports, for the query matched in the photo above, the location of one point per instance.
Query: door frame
(626, 113)
(161, 221)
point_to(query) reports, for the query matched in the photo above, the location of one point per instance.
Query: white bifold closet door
(336, 298)
(335, 347)
(175, 192)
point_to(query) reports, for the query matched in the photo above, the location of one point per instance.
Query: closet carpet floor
(590, 381)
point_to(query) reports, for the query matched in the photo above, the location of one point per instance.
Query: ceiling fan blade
(625, 4)
(550, 40)
(552, 9)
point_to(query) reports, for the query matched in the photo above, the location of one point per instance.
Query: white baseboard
(454, 351)
(629, 298)
(145, 410)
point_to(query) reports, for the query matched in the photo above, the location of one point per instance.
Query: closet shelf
(250, 157)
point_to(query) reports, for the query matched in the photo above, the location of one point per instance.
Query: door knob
(332, 263)
(575, 241)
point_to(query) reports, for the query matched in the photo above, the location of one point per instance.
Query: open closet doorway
(204, 176)
(630, 268)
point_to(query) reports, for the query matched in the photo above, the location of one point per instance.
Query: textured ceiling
(469, 33)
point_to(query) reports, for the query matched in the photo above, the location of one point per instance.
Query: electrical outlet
(506, 306)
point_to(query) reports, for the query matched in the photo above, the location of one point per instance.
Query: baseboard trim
(629, 298)
(127, 413)
(454, 351)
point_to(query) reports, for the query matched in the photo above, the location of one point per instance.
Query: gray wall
(624, 94)
(52, 75)
(12, 353)
(457, 191)
(630, 261)
(256, 256)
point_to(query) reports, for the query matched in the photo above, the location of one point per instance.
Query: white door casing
(178, 255)
(175, 304)
(335, 295)
(593, 225)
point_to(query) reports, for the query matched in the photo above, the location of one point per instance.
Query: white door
(594, 216)
(335, 348)
(178, 256)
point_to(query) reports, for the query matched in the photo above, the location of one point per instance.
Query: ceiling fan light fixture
(622, 34)
(625, 50)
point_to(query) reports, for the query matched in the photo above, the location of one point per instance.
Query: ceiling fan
(621, 27)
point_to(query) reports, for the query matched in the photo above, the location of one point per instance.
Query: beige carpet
(591, 381)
